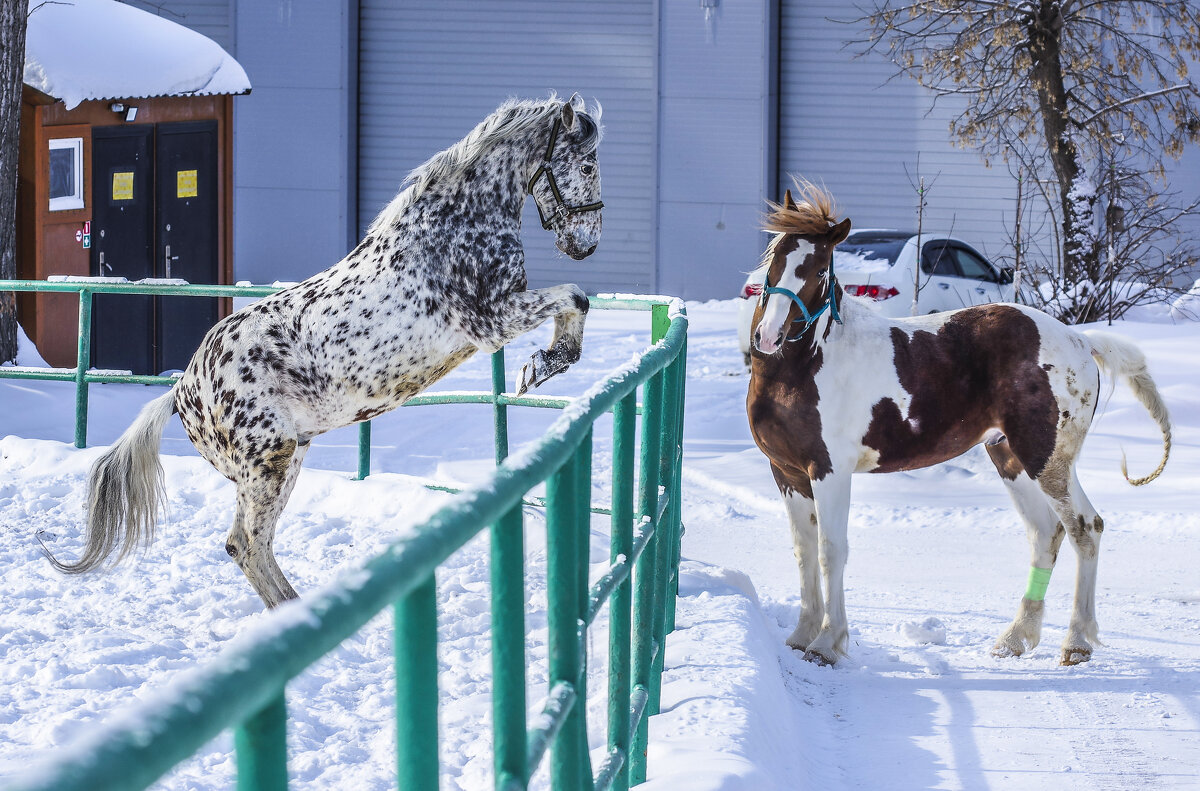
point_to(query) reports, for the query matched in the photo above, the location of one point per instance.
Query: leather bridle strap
(560, 210)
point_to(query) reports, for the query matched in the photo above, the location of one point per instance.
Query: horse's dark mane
(813, 215)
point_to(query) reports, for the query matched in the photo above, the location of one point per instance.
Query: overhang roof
(76, 50)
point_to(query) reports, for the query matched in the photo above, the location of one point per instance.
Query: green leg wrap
(1039, 580)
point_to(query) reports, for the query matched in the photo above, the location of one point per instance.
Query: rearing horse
(836, 389)
(439, 276)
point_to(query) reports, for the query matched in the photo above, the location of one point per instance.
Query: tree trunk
(12, 78)
(1079, 245)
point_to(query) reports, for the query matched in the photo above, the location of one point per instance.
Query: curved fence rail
(140, 744)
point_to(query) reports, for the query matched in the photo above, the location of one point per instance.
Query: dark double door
(154, 215)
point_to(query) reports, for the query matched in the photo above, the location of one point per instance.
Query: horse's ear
(569, 119)
(577, 102)
(839, 232)
(788, 202)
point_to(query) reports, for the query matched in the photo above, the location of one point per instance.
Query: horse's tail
(125, 490)
(1123, 358)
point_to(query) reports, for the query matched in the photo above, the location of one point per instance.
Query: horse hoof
(818, 659)
(525, 380)
(1006, 651)
(1075, 656)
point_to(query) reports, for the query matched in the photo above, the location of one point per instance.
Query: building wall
(430, 70)
(294, 139)
(869, 138)
(717, 148)
(715, 126)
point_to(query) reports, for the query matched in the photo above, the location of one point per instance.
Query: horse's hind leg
(1084, 526)
(802, 515)
(261, 496)
(1045, 538)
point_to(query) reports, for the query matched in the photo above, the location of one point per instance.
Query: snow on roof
(77, 50)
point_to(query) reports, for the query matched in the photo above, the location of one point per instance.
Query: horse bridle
(809, 319)
(561, 209)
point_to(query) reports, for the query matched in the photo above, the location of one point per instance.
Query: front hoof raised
(534, 372)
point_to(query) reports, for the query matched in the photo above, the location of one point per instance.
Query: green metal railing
(243, 688)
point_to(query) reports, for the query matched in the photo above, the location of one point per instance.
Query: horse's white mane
(511, 118)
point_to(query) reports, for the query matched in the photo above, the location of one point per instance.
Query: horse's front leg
(517, 313)
(832, 497)
(796, 490)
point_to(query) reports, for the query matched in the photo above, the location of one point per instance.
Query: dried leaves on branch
(1093, 96)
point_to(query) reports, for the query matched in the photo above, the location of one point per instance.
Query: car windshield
(868, 253)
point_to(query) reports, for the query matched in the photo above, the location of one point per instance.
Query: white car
(879, 268)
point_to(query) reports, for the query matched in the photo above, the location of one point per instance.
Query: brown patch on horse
(1007, 463)
(793, 481)
(784, 419)
(958, 394)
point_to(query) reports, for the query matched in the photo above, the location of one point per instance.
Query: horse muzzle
(577, 245)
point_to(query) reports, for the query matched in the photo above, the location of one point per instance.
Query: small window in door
(66, 173)
(972, 266)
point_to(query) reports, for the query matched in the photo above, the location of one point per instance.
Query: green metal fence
(243, 688)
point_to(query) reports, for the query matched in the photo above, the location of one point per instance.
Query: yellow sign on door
(185, 184)
(122, 186)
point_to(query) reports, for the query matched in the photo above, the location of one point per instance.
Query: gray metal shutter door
(429, 70)
(842, 126)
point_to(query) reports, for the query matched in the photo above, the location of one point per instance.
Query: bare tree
(12, 73)
(1068, 88)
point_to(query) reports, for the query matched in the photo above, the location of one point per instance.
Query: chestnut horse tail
(1120, 357)
(125, 490)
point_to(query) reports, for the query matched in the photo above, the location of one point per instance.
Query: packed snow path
(938, 562)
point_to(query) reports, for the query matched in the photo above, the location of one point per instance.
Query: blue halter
(809, 319)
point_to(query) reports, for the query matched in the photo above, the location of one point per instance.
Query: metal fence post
(261, 746)
(417, 688)
(583, 527)
(644, 588)
(83, 357)
(364, 450)
(666, 535)
(624, 426)
(677, 493)
(508, 617)
(564, 625)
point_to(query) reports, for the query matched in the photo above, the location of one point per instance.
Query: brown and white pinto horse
(850, 391)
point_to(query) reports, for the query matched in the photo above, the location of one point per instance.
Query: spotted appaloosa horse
(439, 276)
(871, 394)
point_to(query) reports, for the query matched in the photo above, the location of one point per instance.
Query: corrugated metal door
(844, 125)
(429, 70)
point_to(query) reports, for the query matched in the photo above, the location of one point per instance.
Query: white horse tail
(125, 489)
(1123, 358)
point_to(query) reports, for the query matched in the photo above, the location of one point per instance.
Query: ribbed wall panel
(213, 18)
(843, 124)
(429, 70)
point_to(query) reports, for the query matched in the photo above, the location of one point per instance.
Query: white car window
(972, 266)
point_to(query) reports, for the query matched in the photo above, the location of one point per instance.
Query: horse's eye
(587, 168)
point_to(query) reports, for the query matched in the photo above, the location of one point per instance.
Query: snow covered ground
(938, 563)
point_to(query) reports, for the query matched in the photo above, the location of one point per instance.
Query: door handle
(169, 259)
(980, 291)
(943, 286)
(104, 265)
